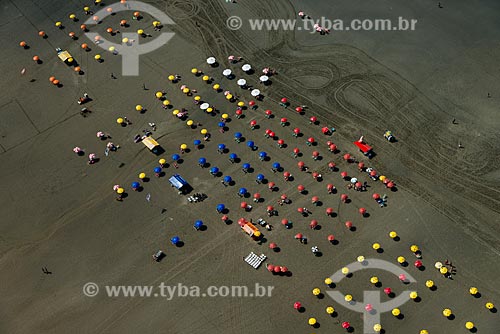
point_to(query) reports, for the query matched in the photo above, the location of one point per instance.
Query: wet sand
(61, 213)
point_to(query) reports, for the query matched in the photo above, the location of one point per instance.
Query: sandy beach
(430, 87)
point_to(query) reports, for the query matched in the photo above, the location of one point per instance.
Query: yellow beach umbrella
(72, 16)
(205, 78)
(330, 310)
(345, 270)
(111, 48)
(447, 312)
(393, 234)
(216, 86)
(185, 90)
(360, 258)
(469, 325)
(209, 109)
(229, 96)
(225, 116)
(142, 176)
(348, 298)
(382, 178)
(125, 40)
(156, 23)
(473, 291)
(166, 102)
(162, 161)
(175, 112)
(414, 248)
(374, 280)
(395, 312)
(138, 107)
(58, 24)
(120, 120)
(241, 104)
(120, 191)
(443, 270)
(424, 331)
(204, 131)
(316, 291)
(376, 246)
(184, 146)
(490, 306)
(328, 281)
(377, 328)
(97, 57)
(429, 283)
(197, 98)
(312, 321)
(413, 295)
(194, 70)
(140, 32)
(171, 77)
(159, 94)
(401, 259)
(190, 122)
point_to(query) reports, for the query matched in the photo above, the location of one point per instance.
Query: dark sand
(59, 212)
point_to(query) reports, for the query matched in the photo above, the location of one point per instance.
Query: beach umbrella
(413, 295)
(301, 188)
(204, 106)
(251, 103)
(220, 207)
(316, 291)
(343, 174)
(345, 271)
(183, 146)
(255, 92)
(331, 165)
(360, 259)
(473, 290)
(271, 185)
(269, 208)
(241, 82)
(197, 142)
(135, 185)
(315, 154)
(311, 140)
(377, 328)
(116, 187)
(175, 157)
(402, 277)
(281, 142)
(368, 307)
(246, 67)
(414, 248)
(375, 196)
(286, 175)
(253, 123)
(198, 224)
(263, 78)
(328, 281)
(438, 265)
(268, 113)
(418, 264)
(238, 112)
(221, 124)
(376, 246)
(277, 269)
(301, 164)
(260, 177)
(297, 305)
(243, 205)
(348, 224)
(298, 235)
(221, 147)
(246, 166)
(424, 331)
(489, 306)
(300, 210)
(346, 325)
(314, 199)
(313, 119)
(284, 221)
(250, 144)
(242, 191)
(362, 211)
(276, 165)
(270, 268)
(313, 224)
(229, 96)
(373, 173)
(241, 221)
(347, 157)
(157, 170)
(358, 185)
(175, 240)
(296, 131)
(120, 190)
(447, 312)
(469, 325)
(296, 150)
(325, 130)
(190, 122)
(312, 321)
(162, 161)
(227, 72)
(329, 211)
(390, 185)
(211, 60)
(284, 100)
(387, 291)
(227, 179)
(343, 197)
(393, 234)
(429, 283)
(299, 109)
(262, 155)
(202, 161)
(214, 170)
(443, 270)
(142, 176)
(374, 280)
(396, 312)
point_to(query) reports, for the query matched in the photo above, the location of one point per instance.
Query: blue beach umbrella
(260, 177)
(175, 240)
(220, 207)
(202, 161)
(233, 156)
(276, 165)
(175, 157)
(238, 135)
(242, 191)
(198, 224)
(262, 154)
(250, 144)
(196, 142)
(222, 124)
(157, 170)
(227, 179)
(246, 165)
(135, 185)
(214, 170)
(222, 147)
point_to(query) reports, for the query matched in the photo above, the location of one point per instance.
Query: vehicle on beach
(251, 230)
(366, 149)
(389, 136)
(158, 256)
(152, 145)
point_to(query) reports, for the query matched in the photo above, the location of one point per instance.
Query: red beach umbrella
(387, 291)
(284, 269)
(281, 142)
(241, 221)
(277, 269)
(297, 305)
(296, 131)
(375, 196)
(311, 140)
(343, 174)
(251, 103)
(253, 123)
(284, 120)
(239, 112)
(347, 157)
(390, 185)
(418, 264)
(344, 197)
(313, 224)
(332, 147)
(373, 173)
(224, 218)
(270, 208)
(243, 205)
(358, 184)
(298, 236)
(346, 325)
(314, 199)
(284, 100)
(329, 211)
(270, 268)
(331, 237)
(301, 164)
(348, 224)
(272, 134)
(315, 174)
(284, 221)
(296, 150)
(300, 210)
(271, 185)
(284, 197)
(273, 245)
(256, 195)
(362, 211)
(268, 132)
(331, 164)
(299, 109)
(301, 188)
(286, 174)
(313, 119)
(361, 165)
(325, 130)
(269, 112)
(315, 154)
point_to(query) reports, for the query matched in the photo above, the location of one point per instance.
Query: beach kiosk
(251, 230)
(178, 183)
(152, 145)
(65, 56)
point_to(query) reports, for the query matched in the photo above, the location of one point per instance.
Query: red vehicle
(365, 148)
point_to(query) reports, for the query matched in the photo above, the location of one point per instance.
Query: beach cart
(65, 56)
(152, 145)
(366, 149)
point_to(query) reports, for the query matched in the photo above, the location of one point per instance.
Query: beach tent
(178, 182)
